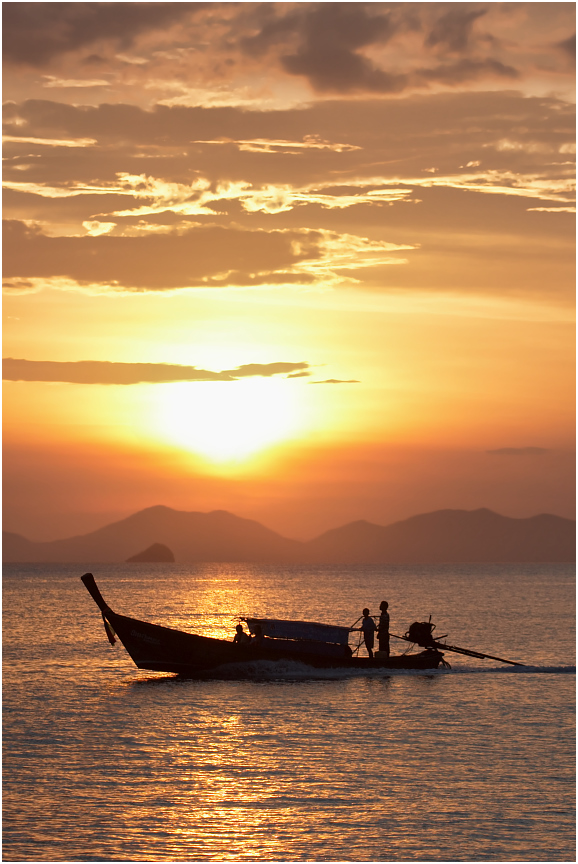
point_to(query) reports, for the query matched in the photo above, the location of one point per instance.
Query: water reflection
(104, 762)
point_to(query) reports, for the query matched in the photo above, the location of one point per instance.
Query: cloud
(220, 53)
(538, 184)
(50, 82)
(103, 372)
(280, 212)
(339, 47)
(199, 258)
(309, 142)
(336, 381)
(49, 142)
(202, 257)
(551, 209)
(269, 161)
(467, 69)
(36, 33)
(331, 36)
(95, 228)
(568, 48)
(203, 198)
(518, 451)
(452, 31)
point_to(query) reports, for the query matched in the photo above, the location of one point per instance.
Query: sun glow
(228, 421)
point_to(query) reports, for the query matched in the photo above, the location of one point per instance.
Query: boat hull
(162, 649)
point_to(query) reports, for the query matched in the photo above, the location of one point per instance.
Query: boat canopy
(310, 630)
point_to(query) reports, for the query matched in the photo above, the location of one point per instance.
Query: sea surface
(277, 761)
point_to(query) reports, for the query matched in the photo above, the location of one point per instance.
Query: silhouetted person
(383, 628)
(258, 640)
(241, 638)
(368, 629)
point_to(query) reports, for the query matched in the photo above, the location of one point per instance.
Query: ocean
(277, 761)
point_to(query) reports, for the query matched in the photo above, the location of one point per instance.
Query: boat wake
(517, 670)
(291, 670)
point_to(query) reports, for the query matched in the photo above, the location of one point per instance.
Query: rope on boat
(358, 646)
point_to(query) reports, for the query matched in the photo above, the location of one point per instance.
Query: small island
(157, 553)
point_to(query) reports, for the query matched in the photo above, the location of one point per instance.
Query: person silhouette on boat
(368, 629)
(258, 640)
(383, 628)
(241, 638)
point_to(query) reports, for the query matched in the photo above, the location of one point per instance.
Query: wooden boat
(163, 649)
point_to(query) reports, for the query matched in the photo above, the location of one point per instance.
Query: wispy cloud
(202, 197)
(104, 372)
(262, 145)
(47, 142)
(336, 381)
(50, 81)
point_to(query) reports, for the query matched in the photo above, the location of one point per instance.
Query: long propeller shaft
(443, 647)
(469, 653)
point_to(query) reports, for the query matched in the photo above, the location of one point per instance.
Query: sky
(305, 262)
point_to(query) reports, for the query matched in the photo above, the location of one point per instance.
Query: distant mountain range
(444, 536)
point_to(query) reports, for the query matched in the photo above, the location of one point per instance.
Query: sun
(228, 421)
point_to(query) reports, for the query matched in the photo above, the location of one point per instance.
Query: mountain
(157, 553)
(444, 536)
(18, 548)
(216, 536)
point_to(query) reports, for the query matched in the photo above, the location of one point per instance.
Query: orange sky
(305, 262)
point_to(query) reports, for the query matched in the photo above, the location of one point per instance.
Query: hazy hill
(18, 548)
(449, 536)
(441, 536)
(157, 553)
(216, 536)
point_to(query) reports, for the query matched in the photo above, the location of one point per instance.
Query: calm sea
(278, 762)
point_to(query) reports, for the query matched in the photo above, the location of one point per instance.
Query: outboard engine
(420, 632)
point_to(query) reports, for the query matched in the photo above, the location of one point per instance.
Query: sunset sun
(228, 422)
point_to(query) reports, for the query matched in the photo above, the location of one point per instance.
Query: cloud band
(104, 372)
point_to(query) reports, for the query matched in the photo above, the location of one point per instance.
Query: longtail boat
(164, 649)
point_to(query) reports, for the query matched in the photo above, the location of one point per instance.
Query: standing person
(368, 629)
(383, 628)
